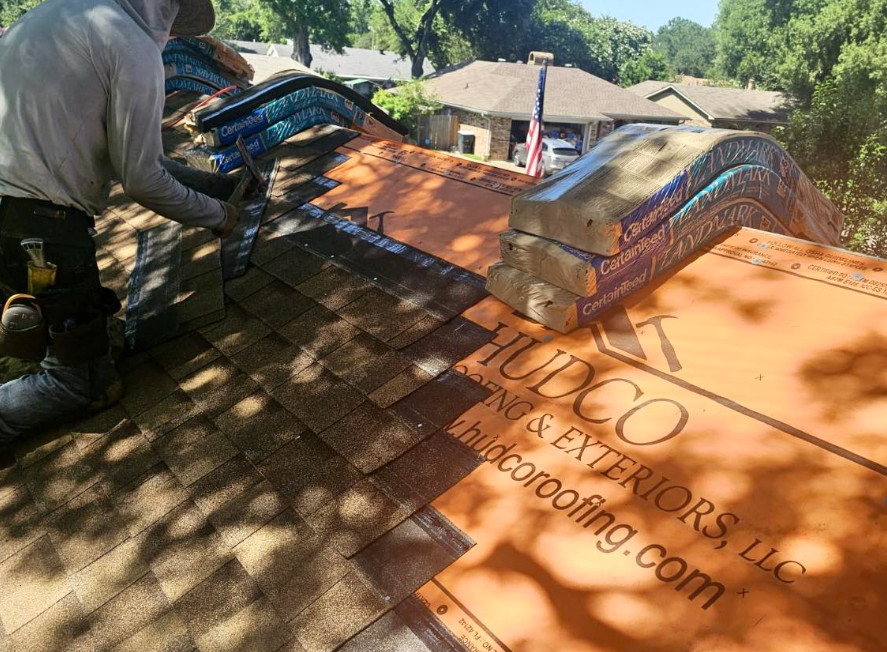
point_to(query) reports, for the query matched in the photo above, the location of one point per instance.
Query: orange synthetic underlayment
(449, 207)
(704, 469)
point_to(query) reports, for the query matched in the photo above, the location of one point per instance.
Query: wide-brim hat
(195, 18)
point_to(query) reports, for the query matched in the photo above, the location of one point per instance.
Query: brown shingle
(334, 287)
(243, 515)
(33, 580)
(255, 628)
(404, 384)
(194, 449)
(291, 563)
(381, 314)
(20, 522)
(58, 478)
(295, 266)
(272, 360)
(243, 286)
(123, 454)
(220, 596)
(165, 634)
(109, 575)
(146, 385)
(369, 437)
(358, 517)
(277, 304)
(128, 612)
(85, 528)
(259, 426)
(61, 628)
(167, 415)
(149, 498)
(365, 362)
(317, 397)
(182, 550)
(319, 331)
(89, 430)
(309, 473)
(185, 355)
(217, 387)
(225, 483)
(338, 615)
(237, 331)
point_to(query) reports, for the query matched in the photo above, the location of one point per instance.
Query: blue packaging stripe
(200, 72)
(288, 105)
(188, 84)
(744, 150)
(737, 214)
(229, 159)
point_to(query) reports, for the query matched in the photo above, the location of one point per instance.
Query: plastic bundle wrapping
(217, 51)
(271, 112)
(642, 174)
(278, 109)
(204, 65)
(549, 303)
(587, 274)
(544, 302)
(609, 204)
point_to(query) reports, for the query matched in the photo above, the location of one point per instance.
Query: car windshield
(565, 151)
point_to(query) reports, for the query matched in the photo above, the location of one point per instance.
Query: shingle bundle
(642, 201)
(267, 114)
(204, 65)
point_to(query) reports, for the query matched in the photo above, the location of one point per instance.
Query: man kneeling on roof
(81, 104)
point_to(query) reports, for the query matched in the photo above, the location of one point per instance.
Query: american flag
(534, 136)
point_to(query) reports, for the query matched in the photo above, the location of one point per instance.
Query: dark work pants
(58, 392)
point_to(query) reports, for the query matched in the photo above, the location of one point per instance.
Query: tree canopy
(688, 47)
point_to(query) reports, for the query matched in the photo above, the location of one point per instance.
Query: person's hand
(232, 217)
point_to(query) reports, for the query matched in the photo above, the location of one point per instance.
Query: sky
(652, 14)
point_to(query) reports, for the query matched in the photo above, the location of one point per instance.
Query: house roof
(722, 103)
(509, 89)
(250, 47)
(287, 475)
(374, 65)
(266, 66)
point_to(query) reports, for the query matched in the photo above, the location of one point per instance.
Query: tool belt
(73, 304)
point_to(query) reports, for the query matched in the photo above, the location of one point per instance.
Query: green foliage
(307, 21)
(650, 65)
(240, 20)
(688, 47)
(12, 10)
(407, 103)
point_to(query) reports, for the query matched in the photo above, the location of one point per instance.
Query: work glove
(232, 217)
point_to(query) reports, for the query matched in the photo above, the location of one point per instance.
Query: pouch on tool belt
(22, 329)
(40, 279)
(75, 342)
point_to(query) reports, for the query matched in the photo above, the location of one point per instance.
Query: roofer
(81, 104)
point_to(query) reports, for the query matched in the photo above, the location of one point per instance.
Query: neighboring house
(356, 63)
(711, 106)
(495, 100)
(266, 66)
(249, 47)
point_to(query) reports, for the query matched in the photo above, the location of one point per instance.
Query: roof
(266, 66)
(250, 47)
(723, 103)
(509, 89)
(284, 476)
(373, 65)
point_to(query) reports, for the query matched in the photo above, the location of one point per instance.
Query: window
(565, 151)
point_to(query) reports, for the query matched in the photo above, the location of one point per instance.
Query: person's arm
(135, 111)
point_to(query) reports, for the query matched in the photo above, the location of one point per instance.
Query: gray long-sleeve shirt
(81, 103)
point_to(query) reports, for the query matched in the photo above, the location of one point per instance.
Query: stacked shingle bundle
(271, 112)
(643, 200)
(204, 65)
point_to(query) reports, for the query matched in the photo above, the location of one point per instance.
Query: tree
(238, 20)
(491, 27)
(688, 47)
(305, 21)
(406, 103)
(650, 65)
(414, 36)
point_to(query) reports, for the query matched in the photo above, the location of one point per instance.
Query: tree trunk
(418, 69)
(301, 46)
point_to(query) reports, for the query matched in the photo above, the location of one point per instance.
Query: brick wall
(500, 138)
(480, 127)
